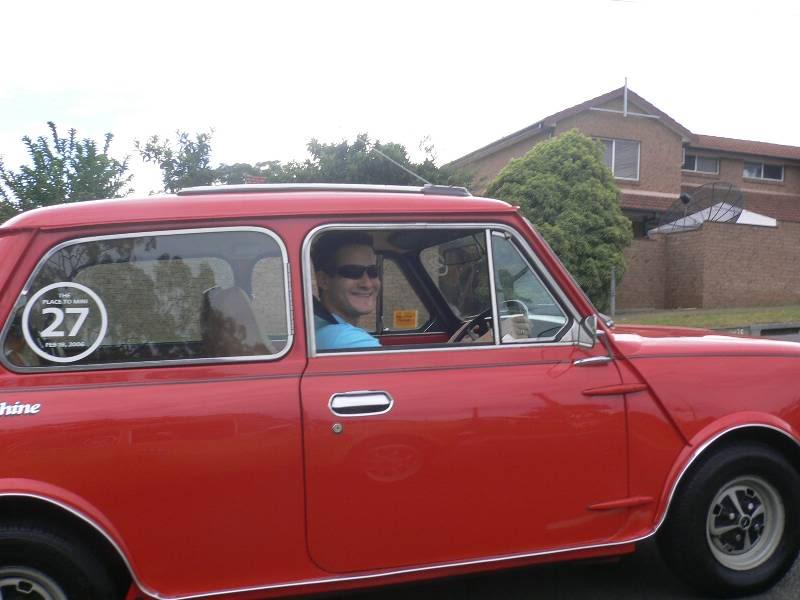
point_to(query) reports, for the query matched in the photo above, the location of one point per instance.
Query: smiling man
(348, 284)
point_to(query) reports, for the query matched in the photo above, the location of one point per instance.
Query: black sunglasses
(357, 271)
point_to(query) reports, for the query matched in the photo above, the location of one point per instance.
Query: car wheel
(44, 564)
(733, 526)
(23, 582)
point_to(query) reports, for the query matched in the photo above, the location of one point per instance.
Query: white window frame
(763, 164)
(614, 156)
(696, 170)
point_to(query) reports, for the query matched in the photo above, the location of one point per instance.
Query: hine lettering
(10, 410)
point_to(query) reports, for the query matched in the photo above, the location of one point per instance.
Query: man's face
(350, 298)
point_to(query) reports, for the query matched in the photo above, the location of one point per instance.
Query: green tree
(272, 171)
(7, 211)
(184, 162)
(565, 189)
(357, 162)
(63, 169)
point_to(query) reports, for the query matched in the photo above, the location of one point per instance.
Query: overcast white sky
(269, 76)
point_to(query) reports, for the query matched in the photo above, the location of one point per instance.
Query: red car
(262, 391)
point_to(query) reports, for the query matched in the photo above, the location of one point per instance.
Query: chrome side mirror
(587, 332)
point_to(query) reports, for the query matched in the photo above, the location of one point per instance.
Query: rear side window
(172, 296)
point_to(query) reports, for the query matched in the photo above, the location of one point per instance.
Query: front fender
(710, 437)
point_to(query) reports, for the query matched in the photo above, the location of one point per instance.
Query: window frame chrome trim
(568, 339)
(488, 234)
(151, 363)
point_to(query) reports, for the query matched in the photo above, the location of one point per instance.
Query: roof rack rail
(435, 190)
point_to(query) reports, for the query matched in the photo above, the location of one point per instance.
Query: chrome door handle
(355, 404)
(593, 361)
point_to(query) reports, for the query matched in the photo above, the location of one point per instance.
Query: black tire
(48, 565)
(734, 526)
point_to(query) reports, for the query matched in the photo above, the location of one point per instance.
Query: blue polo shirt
(342, 335)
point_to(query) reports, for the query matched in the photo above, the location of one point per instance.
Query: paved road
(641, 576)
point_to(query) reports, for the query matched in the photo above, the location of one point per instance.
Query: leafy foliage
(238, 173)
(565, 189)
(184, 162)
(63, 169)
(344, 162)
(7, 211)
(356, 162)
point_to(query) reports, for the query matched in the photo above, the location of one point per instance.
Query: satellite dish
(717, 201)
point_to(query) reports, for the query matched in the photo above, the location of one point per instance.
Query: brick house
(654, 158)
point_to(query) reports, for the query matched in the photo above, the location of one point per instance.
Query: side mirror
(587, 332)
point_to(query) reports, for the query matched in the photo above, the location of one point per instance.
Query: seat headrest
(230, 327)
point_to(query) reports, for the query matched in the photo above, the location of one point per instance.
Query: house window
(757, 170)
(700, 164)
(622, 157)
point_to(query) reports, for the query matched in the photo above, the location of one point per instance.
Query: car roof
(261, 200)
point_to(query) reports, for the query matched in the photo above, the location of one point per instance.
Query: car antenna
(393, 161)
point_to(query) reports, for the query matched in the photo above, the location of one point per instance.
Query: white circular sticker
(70, 320)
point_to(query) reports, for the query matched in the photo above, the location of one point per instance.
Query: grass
(713, 318)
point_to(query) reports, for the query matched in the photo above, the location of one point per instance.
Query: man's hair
(327, 246)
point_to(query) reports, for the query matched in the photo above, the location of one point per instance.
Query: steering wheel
(481, 324)
(474, 329)
(519, 305)
(550, 331)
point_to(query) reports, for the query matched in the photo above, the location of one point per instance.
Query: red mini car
(261, 391)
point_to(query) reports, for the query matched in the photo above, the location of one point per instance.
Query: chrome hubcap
(745, 523)
(23, 583)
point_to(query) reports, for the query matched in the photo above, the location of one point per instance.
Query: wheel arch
(770, 435)
(37, 509)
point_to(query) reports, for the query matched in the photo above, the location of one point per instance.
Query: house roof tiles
(634, 201)
(711, 142)
(549, 122)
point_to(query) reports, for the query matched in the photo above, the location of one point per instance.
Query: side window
(527, 310)
(361, 290)
(153, 297)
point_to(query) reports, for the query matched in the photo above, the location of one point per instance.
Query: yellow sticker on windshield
(405, 319)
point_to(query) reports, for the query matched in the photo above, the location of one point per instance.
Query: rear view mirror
(462, 255)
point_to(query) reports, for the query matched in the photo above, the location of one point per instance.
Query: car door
(166, 389)
(465, 451)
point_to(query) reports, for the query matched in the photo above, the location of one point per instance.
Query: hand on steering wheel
(474, 329)
(481, 324)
